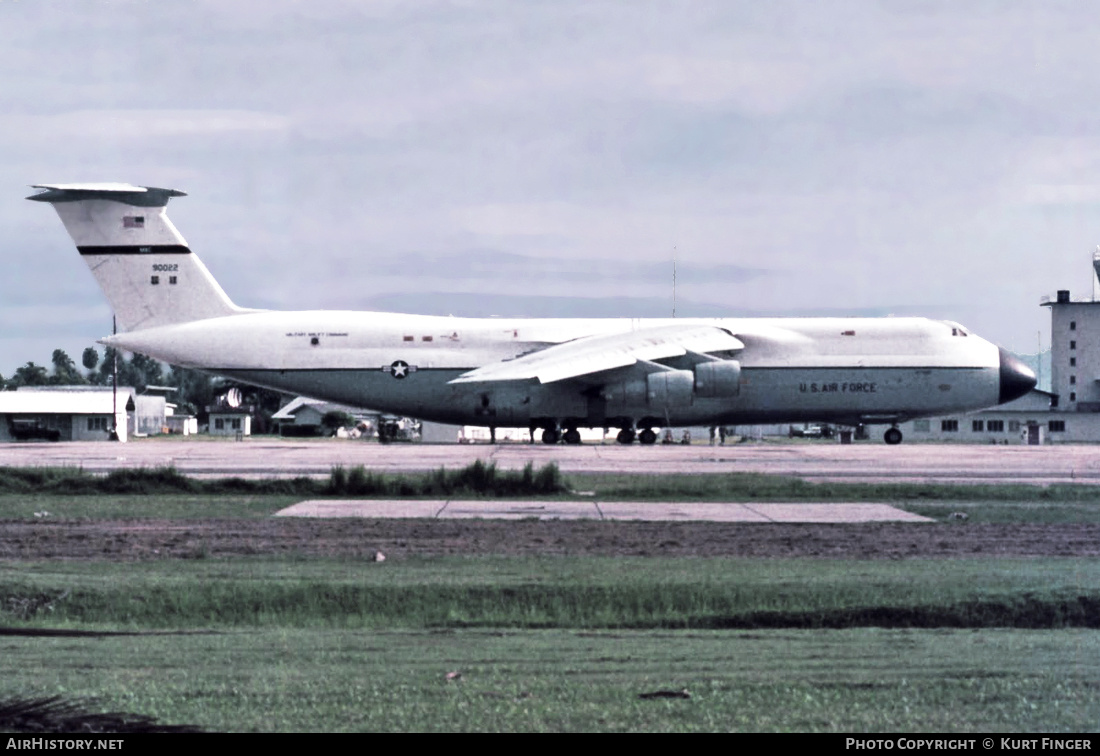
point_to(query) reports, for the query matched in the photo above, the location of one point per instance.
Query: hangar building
(56, 414)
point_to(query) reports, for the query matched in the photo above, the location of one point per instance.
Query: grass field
(324, 680)
(559, 592)
(486, 480)
(565, 643)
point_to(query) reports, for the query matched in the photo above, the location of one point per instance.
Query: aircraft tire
(625, 437)
(648, 437)
(572, 436)
(892, 436)
(550, 436)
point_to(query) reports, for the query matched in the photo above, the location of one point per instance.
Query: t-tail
(142, 263)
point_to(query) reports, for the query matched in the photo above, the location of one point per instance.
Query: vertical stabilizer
(140, 260)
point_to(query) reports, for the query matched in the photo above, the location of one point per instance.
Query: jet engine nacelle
(670, 388)
(718, 379)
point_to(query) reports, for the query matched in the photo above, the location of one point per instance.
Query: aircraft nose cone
(1016, 378)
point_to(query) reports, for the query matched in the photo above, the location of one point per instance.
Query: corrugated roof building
(56, 413)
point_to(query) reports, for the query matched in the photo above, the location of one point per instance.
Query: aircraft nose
(1016, 378)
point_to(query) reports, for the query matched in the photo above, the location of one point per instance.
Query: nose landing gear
(892, 436)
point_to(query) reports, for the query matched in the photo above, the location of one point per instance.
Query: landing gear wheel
(648, 437)
(892, 436)
(550, 436)
(572, 436)
(625, 437)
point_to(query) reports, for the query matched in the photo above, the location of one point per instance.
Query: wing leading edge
(596, 354)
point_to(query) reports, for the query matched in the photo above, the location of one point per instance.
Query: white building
(65, 413)
(1027, 420)
(230, 422)
(149, 415)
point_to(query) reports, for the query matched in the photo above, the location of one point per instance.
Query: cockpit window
(956, 329)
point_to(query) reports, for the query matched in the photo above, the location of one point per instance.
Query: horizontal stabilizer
(138, 196)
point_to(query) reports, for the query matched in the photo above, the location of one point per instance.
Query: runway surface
(946, 463)
(651, 511)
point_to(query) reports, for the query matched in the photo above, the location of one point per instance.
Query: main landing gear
(647, 436)
(892, 436)
(569, 435)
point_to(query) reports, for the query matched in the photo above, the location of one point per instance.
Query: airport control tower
(1075, 349)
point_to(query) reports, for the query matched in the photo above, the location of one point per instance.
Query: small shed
(230, 422)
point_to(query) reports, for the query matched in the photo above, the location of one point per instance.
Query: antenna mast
(1095, 270)
(674, 282)
(1039, 358)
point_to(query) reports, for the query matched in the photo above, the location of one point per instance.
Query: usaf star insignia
(400, 369)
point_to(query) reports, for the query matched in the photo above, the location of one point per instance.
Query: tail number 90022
(166, 267)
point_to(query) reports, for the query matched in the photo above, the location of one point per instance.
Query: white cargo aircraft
(555, 374)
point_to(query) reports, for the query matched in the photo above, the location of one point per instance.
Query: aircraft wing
(596, 354)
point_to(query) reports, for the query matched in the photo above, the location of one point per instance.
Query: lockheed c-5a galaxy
(555, 374)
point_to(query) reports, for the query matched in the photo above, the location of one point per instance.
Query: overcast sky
(479, 158)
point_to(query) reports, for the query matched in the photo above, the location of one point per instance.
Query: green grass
(1048, 512)
(762, 487)
(563, 644)
(486, 480)
(561, 592)
(559, 643)
(862, 680)
(203, 506)
(51, 507)
(476, 479)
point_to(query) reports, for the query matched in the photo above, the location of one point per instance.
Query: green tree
(64, 370)
(137, 372)
(90, 358)
(106, 368)
(144, 371)
(194, 391)
(29, 375)
(334, 419)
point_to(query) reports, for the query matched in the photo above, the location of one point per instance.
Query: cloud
(521, 306)
(795, 154)
(143, 124)
(1062, 194)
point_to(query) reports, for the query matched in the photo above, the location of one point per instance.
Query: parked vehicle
(811, 431)
(24, 431)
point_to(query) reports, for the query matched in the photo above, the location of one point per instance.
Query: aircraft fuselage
(551, 373)
(848, 370)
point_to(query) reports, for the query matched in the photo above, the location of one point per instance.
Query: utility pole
(114, 384)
